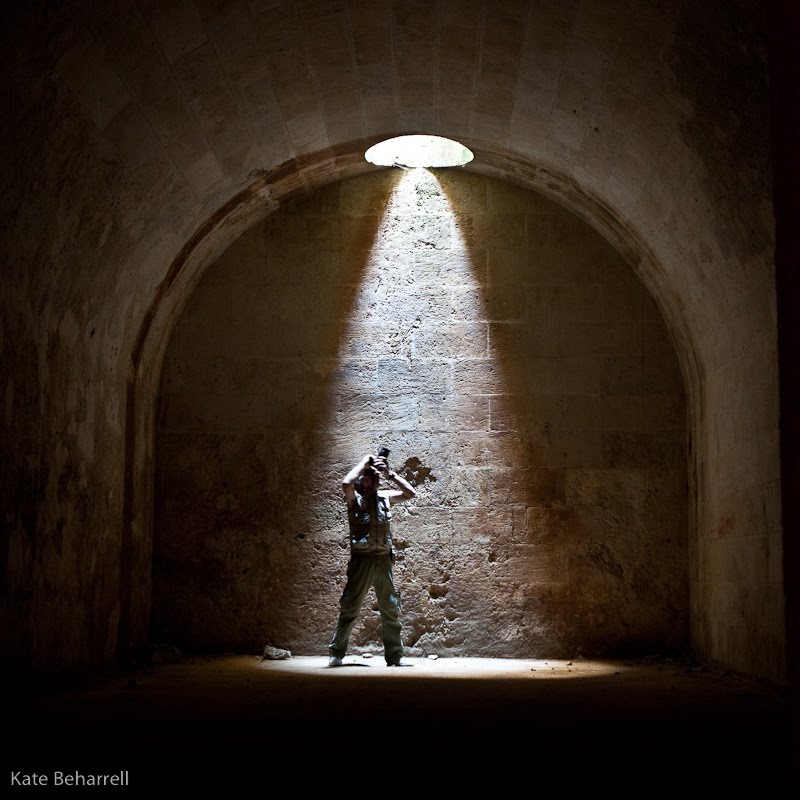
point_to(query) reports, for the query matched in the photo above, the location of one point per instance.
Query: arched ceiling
(159, 112)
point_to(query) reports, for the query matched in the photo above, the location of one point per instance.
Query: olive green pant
(363, 572)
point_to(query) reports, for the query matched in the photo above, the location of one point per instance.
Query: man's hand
(349, 480)
(379, 462)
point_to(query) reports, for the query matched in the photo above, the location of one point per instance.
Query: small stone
(367, 655)
(275, 654)
(433, 656)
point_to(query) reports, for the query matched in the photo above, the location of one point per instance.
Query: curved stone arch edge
(265, 194)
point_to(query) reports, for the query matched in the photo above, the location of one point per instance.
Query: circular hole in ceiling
(419, 151)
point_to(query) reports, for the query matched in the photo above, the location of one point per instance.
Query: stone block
(291, 340)
(214, 412)
(456, 108)
(508, 198)
(201, 341)
(644, 413)
(369, 411)
(568, 375)
(428, 451)
(622, 302)
(455, 340)
(564, 265)
(647, 375)
(533, 565)
(525, 486)
(636, 496)
(491, 450)
(578, 303)
(510, 265)
(329, 199)
(482, 525)
(548, 230)
(542, 302)
(306, 266)
(560, 525)
(642, 450)
(394, 376)
(600, 338)
(565, 303)
(300, 410)
(453, 413)
(559, 450)
(289, 303)
(500, 302)
(513, 414)
(425, 526)
(492, 231)
(665, 412)
(460, 486)
(557, 413)
(603, 488)
(287, 228)
(455, 268)
(402, 302)
(466, 193)
(135, 141)
(415, 377)
(361, 233)
(324, 232)
(516, 341)
(375, 339)
(195, 376)
(203, 172)
(419, 231)
(481, 376)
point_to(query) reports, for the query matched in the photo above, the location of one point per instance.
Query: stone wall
(142, 138)
(518, 370)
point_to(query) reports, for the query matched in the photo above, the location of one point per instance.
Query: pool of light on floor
(477, 668)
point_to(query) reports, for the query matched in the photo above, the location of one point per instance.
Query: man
(369, 517)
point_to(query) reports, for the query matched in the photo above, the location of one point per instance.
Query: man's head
(368, 480)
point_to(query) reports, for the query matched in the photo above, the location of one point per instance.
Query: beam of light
(419, 151)
(424, 375)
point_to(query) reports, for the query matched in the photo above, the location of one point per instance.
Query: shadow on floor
(235, 723)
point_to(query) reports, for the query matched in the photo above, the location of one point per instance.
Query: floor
(236, 723)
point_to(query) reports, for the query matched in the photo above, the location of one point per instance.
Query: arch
(264, 195)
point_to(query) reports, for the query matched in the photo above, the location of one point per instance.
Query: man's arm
(349, 480)
(405, 490)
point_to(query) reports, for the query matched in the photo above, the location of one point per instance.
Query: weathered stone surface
(131, 143)
(547, 505)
